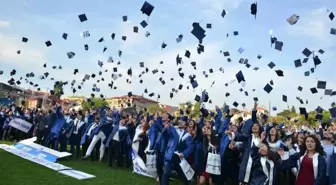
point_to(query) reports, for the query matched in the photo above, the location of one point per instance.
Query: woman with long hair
(312, 164)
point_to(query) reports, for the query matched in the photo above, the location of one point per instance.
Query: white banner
(77, 174)
(139, 166)
(51, 165)
(20, 124)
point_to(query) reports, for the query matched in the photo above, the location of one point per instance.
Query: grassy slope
(17, 171)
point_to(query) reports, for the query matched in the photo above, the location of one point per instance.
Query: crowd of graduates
(253, 151)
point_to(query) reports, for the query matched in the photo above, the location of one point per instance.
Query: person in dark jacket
(41, 122)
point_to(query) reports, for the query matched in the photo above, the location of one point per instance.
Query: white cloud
(4, 24)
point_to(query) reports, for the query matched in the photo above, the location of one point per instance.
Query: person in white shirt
(76, 135)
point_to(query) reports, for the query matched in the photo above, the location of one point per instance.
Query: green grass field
(17, 171)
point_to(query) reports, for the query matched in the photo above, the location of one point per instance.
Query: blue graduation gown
(332, 168)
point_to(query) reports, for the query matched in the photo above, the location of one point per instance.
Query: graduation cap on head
(254, 9)
(293, 19)
(82, 17)
(147, 8)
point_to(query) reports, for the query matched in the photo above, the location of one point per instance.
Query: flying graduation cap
(254, 9)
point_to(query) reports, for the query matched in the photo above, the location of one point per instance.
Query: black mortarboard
(124, 18)
(82, 18)
(331, 16)
(101, 39)
(284, 98)
(223, 13)
(129, 94)
(135, 29)
(240, 76)
(297, 63)
(200, 48)
(255, 99)
(271, 82)
(235, 104)
(271, 65)
(65, 36)
(306, 52)
(300, 88)
(279, 73)
(303, 111)
(142, 64)
(180, 87)
(293, 19)
(254, 9)
(18, 52)
(24, 39)
(305, 60)
(86, 47)
(75, 71)
(45, 65)
(235, 33)
(268, 88)
(71, 54)
(113, 36)
(278, 45)
(317, 61)
(187, 54)
(163, 45)
(208, 26)
(226, 53)
(124, 38)
(147, 8)
(151, 94)
(307, 73)
(313, 90)
(197, 98)
(328, 92)
(198, 32)
(333, 31)
(48, 43)
(321, 84)
(321, 51)
(194, 84)
(312, 70)
(144, 24)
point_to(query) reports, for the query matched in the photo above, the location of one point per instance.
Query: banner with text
(139, 166)
(21, 124)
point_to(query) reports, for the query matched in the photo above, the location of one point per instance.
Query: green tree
(94, 103)
(155, 107)
(58, 89)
